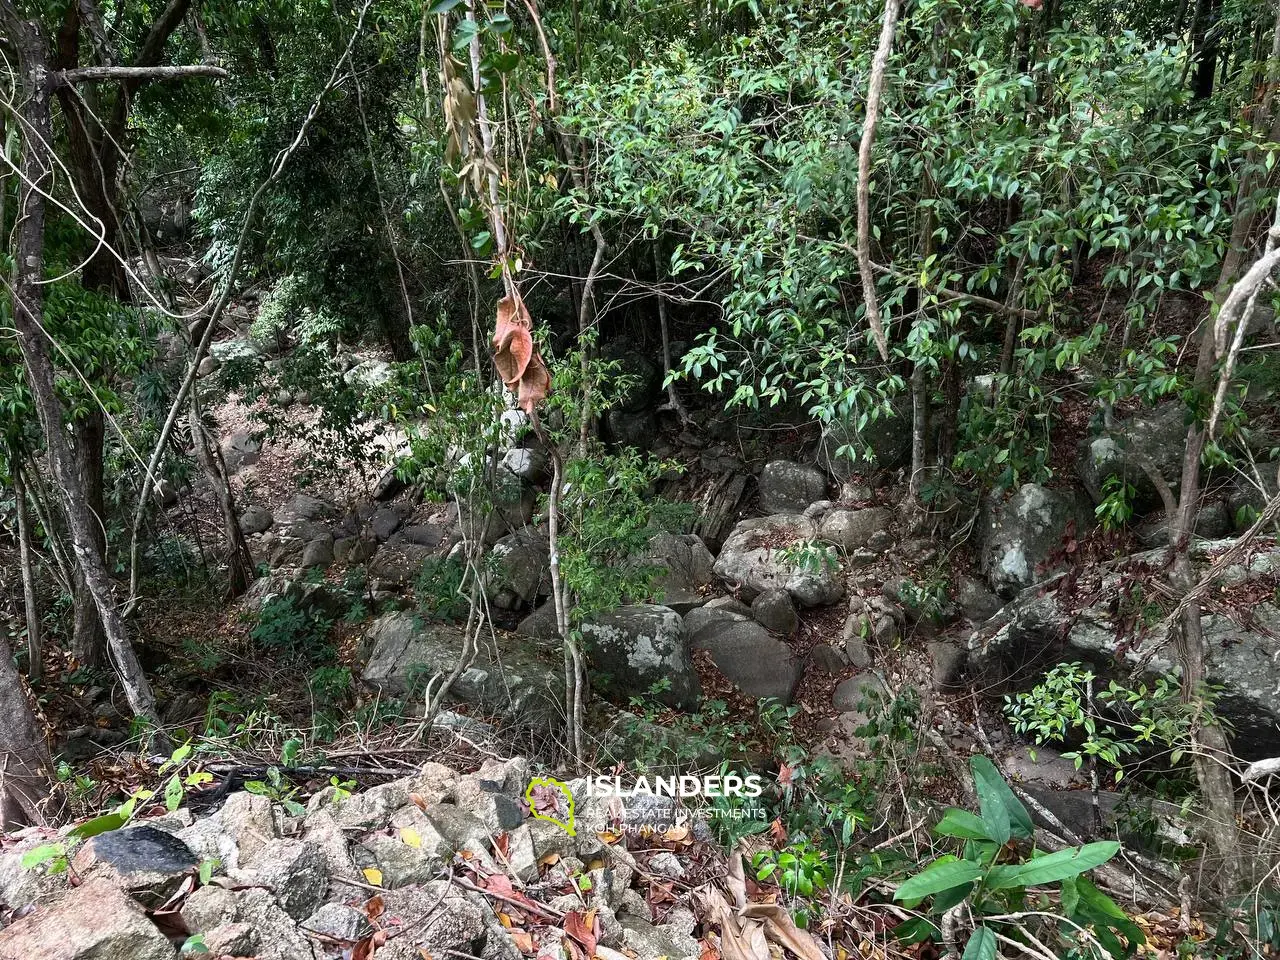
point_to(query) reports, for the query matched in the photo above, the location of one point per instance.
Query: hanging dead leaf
(515, 355)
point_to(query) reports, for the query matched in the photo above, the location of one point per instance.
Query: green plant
(289, 627)
(1116, 507)
(800, 871)
(811, 556)
(277, 789)
(993, 879)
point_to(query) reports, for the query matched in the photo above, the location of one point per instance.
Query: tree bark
(31, 609)
(26, 770)
(88, 642)
(28, 305)
(239, 559)
(875, 89)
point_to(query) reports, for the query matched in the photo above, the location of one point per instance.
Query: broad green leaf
(943, 874)
(1053, 867)
(41, 854)
(102, 824)
(993, 791)
(961, 824)
(981, 946)
(442, 6)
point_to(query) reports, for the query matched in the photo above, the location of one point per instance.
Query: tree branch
(110, 74)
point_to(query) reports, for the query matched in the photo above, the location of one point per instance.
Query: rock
(974, 599)
(859, 627)
(689, 570)
(248, 820)
(887, 439)
(457, 922)
(147, 863)
(387, 520)
(699, 619)
(369, 374)
(519, 570)
(499, 811)
(641, 646)
(322, 829)
(774, 611)
(948, 661)
(403, 865)
(431, 535)
(529, 464)
(231, 940)
(1047, 767)
(389, 484)
(234, 351)
(505, 504)
(728, 605)
(239, 450)
(302, 506)
(1213, 522)
(858, 694)
(338, 922)
(788, 487)
(1156, 437)
(648, 942)
(1019, 537)
(853, 529)
(756, 662)
(631, 429)
(1038, 630)
(666, 864)
(256, 519)
(271, 933)
(517, 679)
(779, 551)
(94, 921)
(208, 366)
(828, 660)
(296, 872)
(208, 907)
(541, 624)
(354, 550)
(318, 552)
(397, 563)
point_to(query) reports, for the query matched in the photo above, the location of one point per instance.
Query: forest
(639, 479)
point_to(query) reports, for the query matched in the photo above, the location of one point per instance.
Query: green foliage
(1117, 503)
(275, 787)
(290, 628)
(1108, 723)
(991, 887)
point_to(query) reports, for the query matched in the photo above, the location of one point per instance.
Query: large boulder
(780, 551)
(882, 442)
(788, 487)
(518, 570)
(1152, 438)
(756, 662)
(852, 530)
(94, 921)
(239, 450)
(643, 647)
(1019, 537)
(147, 863)
(688, 570)
(1041, 628)
(516, 678)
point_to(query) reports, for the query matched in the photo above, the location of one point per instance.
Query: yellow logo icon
(552, 801)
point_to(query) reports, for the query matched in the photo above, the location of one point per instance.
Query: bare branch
(112, 74)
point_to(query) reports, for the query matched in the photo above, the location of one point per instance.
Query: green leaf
(981, 946)
(173, 794)
(943, 874)
(993, 792)
(42, 854)
(961, 824)
(102, 824)
(1053, 867)
(442, 6)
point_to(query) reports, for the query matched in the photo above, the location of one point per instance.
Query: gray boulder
(1213, 522)
(369, 374)
(780, 552)
(639, 646)
(518, 679)
(756, 662)
(689, 570)
(239, 450)
(788, 487)
(256, 519)
(94, 921)
(232, 351)
(518, 570)
(1154, 437)
(147, 863)
(1039, 629)
(774, 611)
(1018, 537)
(851, 530)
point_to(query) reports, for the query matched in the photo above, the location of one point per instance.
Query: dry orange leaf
(516, 356)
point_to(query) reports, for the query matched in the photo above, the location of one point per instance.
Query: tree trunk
(35, 648)
(26, 770)
(239, 559)
(37, 171)
(88, 643)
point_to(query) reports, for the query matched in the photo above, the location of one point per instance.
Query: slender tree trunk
(875, 88)
(28, 297)
(26, 771)
(31, 609)
(88, 643)
(239, 559)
